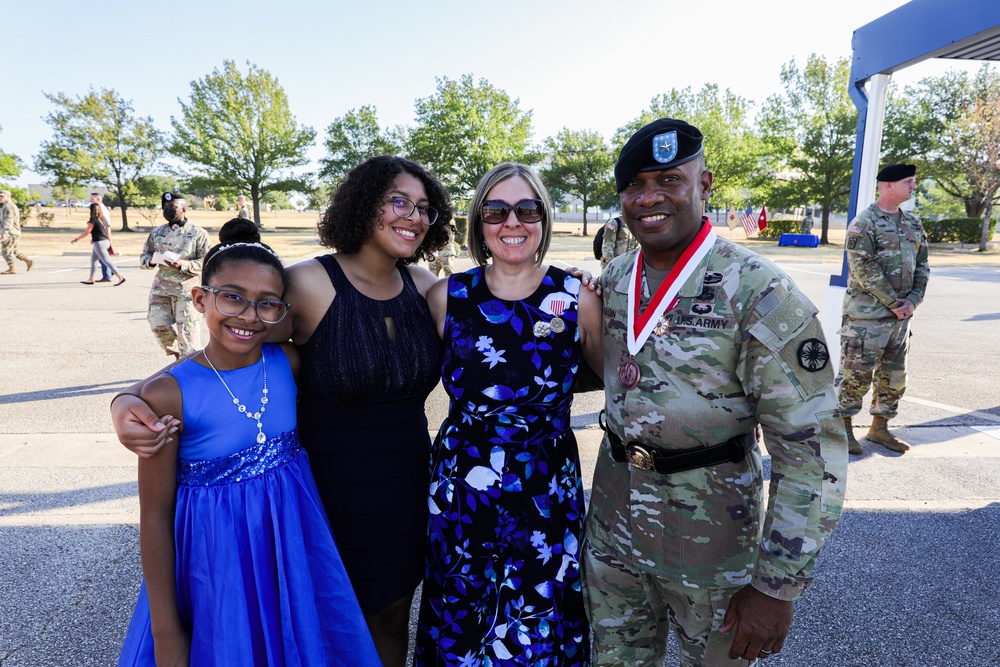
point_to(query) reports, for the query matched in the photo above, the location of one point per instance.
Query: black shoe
(120, 281)
(86, 282)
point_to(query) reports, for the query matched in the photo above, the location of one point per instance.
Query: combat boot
(29, 263)
(879, 432)
(9, 271)
(853, 446)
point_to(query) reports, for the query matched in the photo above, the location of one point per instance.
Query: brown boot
(29, 263)
(9, 271)
(879, 432)
(853, 446)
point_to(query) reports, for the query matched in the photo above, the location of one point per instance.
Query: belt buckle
(640, 457)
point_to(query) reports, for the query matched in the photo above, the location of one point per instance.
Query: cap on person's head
(896, 172)
(171, 196)
(4, 193)
(662, 144)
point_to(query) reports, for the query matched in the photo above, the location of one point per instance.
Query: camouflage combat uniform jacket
(10, 220)
(741, 346)
(190, 242)
(617, 241)
(888, 262)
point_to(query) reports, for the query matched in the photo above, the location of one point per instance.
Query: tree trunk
(124, 204)
(825, 224)
(585, 215)
(986, 224)
(255, 197)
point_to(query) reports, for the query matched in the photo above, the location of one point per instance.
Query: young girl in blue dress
(240, 565)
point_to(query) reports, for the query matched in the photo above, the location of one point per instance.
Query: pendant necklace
(261, 438)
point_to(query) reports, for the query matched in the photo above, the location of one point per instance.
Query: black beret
(170, 196)
(896, 172)
(662, 144)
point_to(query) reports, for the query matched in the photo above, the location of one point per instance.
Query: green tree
(466, 129)
(240, 134)
(97, 138)
(924, 126)
(810, 132)
(733, 151)
(10, 164)
(978, 132)
(580, 168)
(352, 139)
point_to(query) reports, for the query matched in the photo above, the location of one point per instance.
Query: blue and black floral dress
(502, 585)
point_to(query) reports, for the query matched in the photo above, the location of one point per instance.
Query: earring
(486, 251)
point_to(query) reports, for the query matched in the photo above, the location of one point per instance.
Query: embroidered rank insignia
(665, 147)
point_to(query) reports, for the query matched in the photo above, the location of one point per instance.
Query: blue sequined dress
(502, 585)
(259, 577)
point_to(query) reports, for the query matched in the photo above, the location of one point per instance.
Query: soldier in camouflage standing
(171, 315)
(243, 211)
(703, 341)
(616, 241)
(887, 256)
(443, 257)
(10, 233)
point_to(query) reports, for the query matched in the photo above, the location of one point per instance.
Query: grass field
(292, 235)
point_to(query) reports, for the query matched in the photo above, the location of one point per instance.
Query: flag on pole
(762, 219)
(733, 220)
(749, 221)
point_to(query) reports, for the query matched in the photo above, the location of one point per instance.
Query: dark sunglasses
(527, 211)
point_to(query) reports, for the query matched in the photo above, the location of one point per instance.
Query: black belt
(668, 461)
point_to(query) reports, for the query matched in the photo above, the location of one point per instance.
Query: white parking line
(951, 408)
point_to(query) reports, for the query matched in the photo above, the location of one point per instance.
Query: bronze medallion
(628, 374)
(557, 325)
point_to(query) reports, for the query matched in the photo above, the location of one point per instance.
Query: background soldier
(177, 248)
(703, 340)
(616, 241)
(807, 222)
(10, 233)
(887, 256)
(443, 257)
(243, 211)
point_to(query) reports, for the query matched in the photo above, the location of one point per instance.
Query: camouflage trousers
(631, 614)
(439, 264)
(872, 350)
(10, 251)
(174, 322)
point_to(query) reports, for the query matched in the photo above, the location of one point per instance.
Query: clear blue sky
(582, 64)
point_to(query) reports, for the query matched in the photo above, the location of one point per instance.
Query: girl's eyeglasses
(404, 208)
(232, 304)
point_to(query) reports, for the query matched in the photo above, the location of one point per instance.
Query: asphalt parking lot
(907, 579)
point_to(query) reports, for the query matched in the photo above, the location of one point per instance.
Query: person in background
(442, 260)
(177, 249)
(887, 279)
(616, 241)
(100, 242)
(242, 210)
(10, 234)
(807, 222)
(704, 340)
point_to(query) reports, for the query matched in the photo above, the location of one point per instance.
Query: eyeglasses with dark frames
(528, 211)
(404, 208)
(231, 304)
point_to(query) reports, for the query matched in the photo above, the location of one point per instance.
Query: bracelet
(124, 393)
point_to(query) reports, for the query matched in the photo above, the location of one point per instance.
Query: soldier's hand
(140, 429)
(761, 623)
(904, 309)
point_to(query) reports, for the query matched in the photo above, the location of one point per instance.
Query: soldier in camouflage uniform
(10, 233)
(171, 315)
(443, 257)
(677, 534)
(616, 241)
(243, 211)
(887, 257)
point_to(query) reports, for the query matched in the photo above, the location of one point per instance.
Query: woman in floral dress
(502, 585)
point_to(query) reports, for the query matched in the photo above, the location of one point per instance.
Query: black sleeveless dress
(361, 418)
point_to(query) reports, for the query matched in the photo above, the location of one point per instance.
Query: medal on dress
(641, 325)
(628, 374)
(557, 325)
(541, 329)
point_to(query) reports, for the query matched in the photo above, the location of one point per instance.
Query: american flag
(749, 221)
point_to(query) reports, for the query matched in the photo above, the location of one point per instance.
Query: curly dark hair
(350, 218)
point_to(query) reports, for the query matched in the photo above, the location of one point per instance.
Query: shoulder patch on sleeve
(783, 321)
(852, 243)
